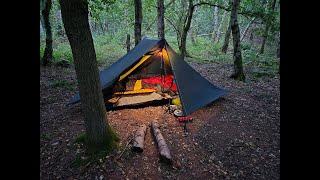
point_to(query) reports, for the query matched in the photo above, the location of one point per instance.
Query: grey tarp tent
(194, 90)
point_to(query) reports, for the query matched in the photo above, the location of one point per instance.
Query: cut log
(139, 139)
(162, 145)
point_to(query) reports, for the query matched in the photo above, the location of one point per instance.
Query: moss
(94, 153)
(110, 142)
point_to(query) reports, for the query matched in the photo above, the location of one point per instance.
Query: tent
(154, 60)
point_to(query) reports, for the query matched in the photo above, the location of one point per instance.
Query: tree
(160, 8)
(237, 57)
(226, 39)
(186, 27)
(268, 22)
(45, 12)
(226, 36)
(218, 32)
(138, 21)
(76, 24)
(215, 23)
(246, 29)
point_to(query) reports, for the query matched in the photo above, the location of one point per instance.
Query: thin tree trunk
(193, 36)
(75, 20)
(246, 29)
(160, 19)
(128, 43)
(186, 27)
(267, 27)
(226, 39)
(278, 49)
(237, 57)
(47, 56)
(215, 23)
(218, 33)
(138, 21)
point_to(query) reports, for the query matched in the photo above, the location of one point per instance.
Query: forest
(233, 44)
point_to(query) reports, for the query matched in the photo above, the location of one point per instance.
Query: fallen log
(162, 145)
(139, 139)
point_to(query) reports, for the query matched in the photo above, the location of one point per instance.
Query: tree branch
(244, 13)
(170, 22)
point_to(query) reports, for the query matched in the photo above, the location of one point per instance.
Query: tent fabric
(194, 90)
(111, 74)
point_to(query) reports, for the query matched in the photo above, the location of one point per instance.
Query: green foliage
(63, 84)
(46, 137)
(111, 20)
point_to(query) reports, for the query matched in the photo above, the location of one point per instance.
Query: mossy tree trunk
(226, 40)
(267, 27)
(161, 9)
(186, 27)
(75, 19)
(47, 56)
(237, 57)
(138, 21)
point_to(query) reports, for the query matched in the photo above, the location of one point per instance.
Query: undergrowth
(109, 48)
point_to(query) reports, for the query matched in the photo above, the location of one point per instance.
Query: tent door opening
(150, 79)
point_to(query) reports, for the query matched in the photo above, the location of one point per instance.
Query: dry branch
(162, 145)
(139, 139)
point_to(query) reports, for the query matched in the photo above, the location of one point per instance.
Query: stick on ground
(162, 145)
(139, 139)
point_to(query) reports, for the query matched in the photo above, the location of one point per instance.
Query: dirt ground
(236, 137)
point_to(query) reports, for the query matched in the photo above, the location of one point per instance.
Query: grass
(63, 84)
(46, 137)
(109, 48)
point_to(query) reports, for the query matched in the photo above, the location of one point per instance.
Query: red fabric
(185, 118)
(164, 81)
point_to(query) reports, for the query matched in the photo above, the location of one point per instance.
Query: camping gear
(185, 119)
(178, 113)
(155, 58)
(137, 99)
(176, 101)
(165, 82)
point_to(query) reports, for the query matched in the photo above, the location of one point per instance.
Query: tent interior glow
(152, 70)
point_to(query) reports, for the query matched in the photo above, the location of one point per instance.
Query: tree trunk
(267, 27)
(138, 21)
(278, 49)
(226, 39)
(186, 27)
(193, 36)
(128, 43)
(160, 19)
(75, 19)
(237, 57)
(218, 33)
(47, 56)
(246, 29)
(162, 145)
(215, 23)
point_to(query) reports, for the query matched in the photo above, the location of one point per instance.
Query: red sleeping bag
(163, 81)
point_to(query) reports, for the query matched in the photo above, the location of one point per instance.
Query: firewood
(139, 139)
(162, 145)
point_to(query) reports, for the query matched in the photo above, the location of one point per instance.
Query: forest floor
(236, 137)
